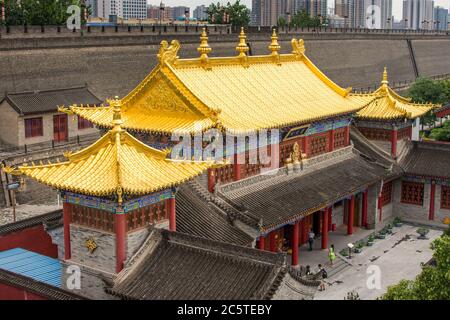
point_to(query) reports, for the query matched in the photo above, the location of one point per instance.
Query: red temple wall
(34, 239)
(8, 292)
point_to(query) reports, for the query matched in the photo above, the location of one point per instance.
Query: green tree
(39, 12)
(282, 21)
(302, 19)
(433, 283)
(441, 133)
(236, 14)
(425, 90)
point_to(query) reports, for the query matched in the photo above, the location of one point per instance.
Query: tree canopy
(236, 14)
(433, 283)
(425, 90)
(38, 12)
(303, 19)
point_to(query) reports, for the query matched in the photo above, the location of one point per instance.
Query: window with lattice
(339, 138)
(318, 144)
(386, 193)
(445, 197)
(412, 193)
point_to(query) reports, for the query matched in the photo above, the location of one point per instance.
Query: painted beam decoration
(111, 206)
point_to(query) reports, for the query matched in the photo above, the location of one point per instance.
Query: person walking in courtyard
(311, 239)
(322, 273)
(331, 254)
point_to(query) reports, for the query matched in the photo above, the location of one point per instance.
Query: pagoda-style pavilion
(390, 119)
(112, 190)
(238, 95)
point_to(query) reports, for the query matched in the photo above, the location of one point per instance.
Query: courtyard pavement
(398, 257)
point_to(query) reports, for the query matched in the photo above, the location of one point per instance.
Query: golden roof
(117, 163)
(386, 104)
(241, 93)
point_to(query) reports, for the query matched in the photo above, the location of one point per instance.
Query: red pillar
(172, 217)
(330, 218)
(351, 215)
(307, 149)
(261, 243)
(394, 136)
(380, 207)
(211, 180)
(331, 141)
(432, 196)
(66, 219)
(347, 135)
(272, 242)
(364, 208)
(236, 168)
(325, 228)
(121, 233)
(295, 232)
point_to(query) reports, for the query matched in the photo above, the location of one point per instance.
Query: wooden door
(60, 128)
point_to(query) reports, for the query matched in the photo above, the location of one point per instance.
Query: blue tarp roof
(32, 265)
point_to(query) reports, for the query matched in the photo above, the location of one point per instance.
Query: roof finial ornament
(274, 46)
(242, 47)
(117, 114)
(385, 81)
(298, 47)
(204, 47)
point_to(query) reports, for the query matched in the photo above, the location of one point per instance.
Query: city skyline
(396, 10)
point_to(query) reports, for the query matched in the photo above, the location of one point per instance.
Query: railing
(11, 151)
(400, 84)
(159, 28)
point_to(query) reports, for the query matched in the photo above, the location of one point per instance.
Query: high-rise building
(440, 18)
(378, 14)
(201, 13)
(93, 6)
(161, 12)
(126, 9)
(318, 8)
(134, 9)
(180, 12)
(418, 14)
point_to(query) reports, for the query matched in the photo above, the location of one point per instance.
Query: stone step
(337, 268)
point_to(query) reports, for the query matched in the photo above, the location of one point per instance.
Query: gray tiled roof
(47, 218)
(48, 101)
(178, 266)
(428, 159)
(42, 289)
(200, 218)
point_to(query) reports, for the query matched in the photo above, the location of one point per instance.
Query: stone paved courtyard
(399, 256)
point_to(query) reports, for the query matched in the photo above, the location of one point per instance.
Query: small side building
(32, 117)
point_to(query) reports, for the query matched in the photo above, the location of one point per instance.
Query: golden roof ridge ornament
(298, 47)
(117, 115)
(242, 47)
(204, 47)
(274, 47)
(385, 81)
(168, 54)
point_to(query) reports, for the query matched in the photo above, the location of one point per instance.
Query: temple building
(338, 160)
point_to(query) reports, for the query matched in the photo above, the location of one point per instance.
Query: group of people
(321, 273)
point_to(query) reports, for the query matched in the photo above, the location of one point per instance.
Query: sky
(397, 4)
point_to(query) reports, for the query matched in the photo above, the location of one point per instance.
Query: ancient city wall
(112, 64)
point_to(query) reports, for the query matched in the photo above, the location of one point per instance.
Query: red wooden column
(236, 164)
(121, 233)
(172, 216)
(331, 140)
(295, 232)
(272, 242)
(211, 180)
(364, 208)
(432, 196)
(347, 135)
(307, 149)
(261, 243)
(394, 135)
(330, 218)
(380, 207)
(351, 215)
(325, 228)
(67, 208)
